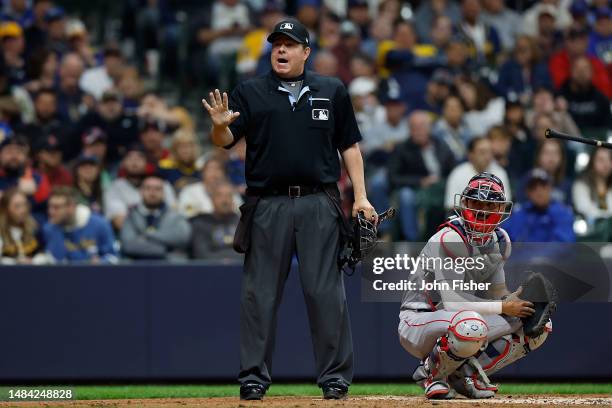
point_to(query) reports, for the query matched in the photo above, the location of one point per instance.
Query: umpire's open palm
(218, 109)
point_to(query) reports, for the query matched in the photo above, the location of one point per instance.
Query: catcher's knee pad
(467, 334)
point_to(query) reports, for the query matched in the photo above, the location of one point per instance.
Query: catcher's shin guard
(510, 348)
(431, 375)
(471, 381)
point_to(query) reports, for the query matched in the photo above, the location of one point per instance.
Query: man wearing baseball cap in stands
(49, 158)
(13, 45)
(16, 172)
(541, 218)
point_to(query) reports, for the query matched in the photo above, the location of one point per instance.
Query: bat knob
(547, 133)
(599, 144)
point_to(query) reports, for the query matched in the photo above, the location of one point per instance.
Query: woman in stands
(20, 241)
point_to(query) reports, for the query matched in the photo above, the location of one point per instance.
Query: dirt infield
(502, 401)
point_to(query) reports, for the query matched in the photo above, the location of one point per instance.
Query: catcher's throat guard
(363, 239)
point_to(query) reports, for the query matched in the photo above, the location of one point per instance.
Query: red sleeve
(559, 68)
(43, 189)
(601, 79)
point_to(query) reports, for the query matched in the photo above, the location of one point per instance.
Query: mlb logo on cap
(290, 28)
(286, 26)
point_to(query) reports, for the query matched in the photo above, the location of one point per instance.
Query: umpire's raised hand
(221, 117)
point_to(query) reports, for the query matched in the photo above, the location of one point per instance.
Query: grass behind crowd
(91, 392)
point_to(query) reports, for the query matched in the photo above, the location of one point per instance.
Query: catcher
(462, 337)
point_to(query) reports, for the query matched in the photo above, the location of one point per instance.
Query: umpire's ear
(306, 53)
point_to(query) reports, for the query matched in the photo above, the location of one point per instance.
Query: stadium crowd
(99, 164)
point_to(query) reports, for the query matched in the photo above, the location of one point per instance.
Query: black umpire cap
(292, 29)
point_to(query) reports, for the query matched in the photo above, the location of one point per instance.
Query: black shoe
(335, 389)
(252, 391)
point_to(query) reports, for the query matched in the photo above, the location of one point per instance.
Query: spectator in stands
(458, 61)
(78, 42)
(219, 36)
(544, 103)
(20, 238)
(49, 158)
(123, 192)
(196, 198)
(600, 39)
(46, 121)
(506, 22)
(152, 135)
(410, 63)
(74, 233)
(70, 97)
(35, 33)
(482, 108)
(523, 73)
(97, 80)
(180, 169)
(18, 11)
(55, 19)
(441, 31)
(417, 164)
(41, 70)
(451, 127)
(350, 44)
(542, 218)
(368, 111)
(362, 66)
(154, 107)
(561, 63)
(589, 108)
(16, 172)
(592, 192)
(213, 233)
(152, 230)
(378, 143)
(481, 38)
(121, 128)
(325, 63)
(88, 183)
(13, 46)
(560, 16)
(438, 89)
(480, 158)
(130, 85)
(94, 145)
(254, 44)
(523, 144)
(359, 13)
(501, 142)
(427, 12)
(550, 156)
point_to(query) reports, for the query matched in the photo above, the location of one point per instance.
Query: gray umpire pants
(309, 227)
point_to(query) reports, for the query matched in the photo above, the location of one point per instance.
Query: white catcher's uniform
(423, 321)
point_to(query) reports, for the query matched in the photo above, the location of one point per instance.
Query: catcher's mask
(482, 206)
(364, 238)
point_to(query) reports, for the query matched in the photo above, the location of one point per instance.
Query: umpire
(295, 123)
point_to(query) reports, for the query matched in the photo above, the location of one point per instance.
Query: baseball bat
(553, 134)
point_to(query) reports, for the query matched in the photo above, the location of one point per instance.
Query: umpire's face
(288, 57)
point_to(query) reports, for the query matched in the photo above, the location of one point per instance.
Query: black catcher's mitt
(538, 290)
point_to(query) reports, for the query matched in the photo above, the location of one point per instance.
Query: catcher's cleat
(437, 389)
(471, 381)
(335, 389)
(252, 390)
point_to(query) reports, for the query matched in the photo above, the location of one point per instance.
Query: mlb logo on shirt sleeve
(320, 114)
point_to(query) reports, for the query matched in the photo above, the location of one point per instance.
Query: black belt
(288, 191)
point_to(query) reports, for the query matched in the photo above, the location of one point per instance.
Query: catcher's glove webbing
(538, 290)
(363, 240)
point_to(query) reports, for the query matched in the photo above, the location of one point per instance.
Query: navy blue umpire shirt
(289, 141)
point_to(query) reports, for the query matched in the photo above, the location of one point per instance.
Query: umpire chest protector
(293, 140)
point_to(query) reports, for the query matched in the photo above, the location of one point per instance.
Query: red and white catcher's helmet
(482, 206)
